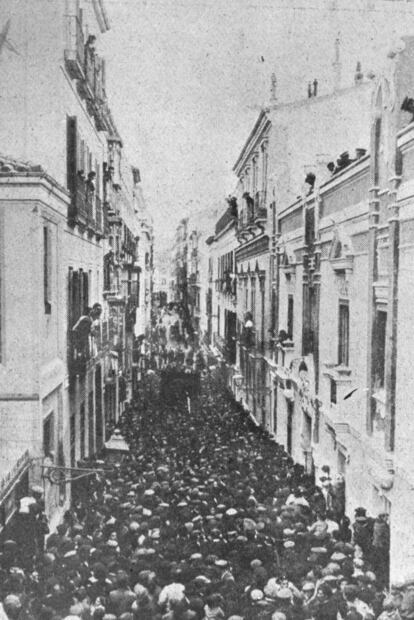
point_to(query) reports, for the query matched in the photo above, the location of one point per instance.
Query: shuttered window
(71, 152)
(343, 336)
(47, 270)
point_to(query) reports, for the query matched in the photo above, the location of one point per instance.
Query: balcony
(78, 210)
(219, 343)
(260, 211)
(91, 87)
(227, 218)
(99, 217)
(86, 209)
(89, 202)
(253, 217)
(79, 353)
(75, 50)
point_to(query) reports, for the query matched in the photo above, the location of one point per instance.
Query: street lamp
(116, 447)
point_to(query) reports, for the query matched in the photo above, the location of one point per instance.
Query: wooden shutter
(71, 152)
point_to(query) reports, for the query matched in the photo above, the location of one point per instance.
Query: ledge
(338, 372)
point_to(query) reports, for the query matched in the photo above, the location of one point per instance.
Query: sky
(186, 80)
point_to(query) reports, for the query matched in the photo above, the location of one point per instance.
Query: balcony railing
(89, 72)
(86, 209)
(219, 343)
(79, 353)
(260, 211)
(78, 210)
(225, 219)
(99, 216)
(89, 201)
(75, 50)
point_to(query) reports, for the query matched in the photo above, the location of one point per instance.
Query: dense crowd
(207, 518)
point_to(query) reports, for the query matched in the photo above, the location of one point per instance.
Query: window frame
(343, 333)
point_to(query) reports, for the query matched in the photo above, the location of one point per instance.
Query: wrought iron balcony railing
(75, 48)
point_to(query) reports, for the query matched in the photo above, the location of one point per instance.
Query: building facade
(221, 294)
(79, 211)
(343, 305)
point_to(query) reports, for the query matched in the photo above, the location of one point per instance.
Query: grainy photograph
(206, 309)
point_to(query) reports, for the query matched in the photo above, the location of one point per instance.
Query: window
(310, 227)
(264, 169)
(333, 397)
(82, 430)
(48, 439)
(289, 430)
(72, 163)
(91, 438)
(255, 174)
(380, 330)
(253, 299)
(46, 270)
(343, 335)
(290, 317)
(72, 440)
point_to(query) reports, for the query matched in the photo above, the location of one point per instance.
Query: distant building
(221, 303)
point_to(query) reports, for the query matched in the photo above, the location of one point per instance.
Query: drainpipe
(274, 276)
(392, 318)
(374, 206)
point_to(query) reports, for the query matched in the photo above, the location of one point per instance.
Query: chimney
(359, 76)
(337, 66)
(315, 87)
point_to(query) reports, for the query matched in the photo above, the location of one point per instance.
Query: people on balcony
(80, 182)
(250, 206)
(85, 327)
(90, 183)
(248, 334)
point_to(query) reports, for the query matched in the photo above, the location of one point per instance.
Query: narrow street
(206, 300)
(206, 517)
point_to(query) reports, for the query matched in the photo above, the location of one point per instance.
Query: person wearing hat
(12, 607)
(390, 611)
(122, 597)
(319, 529)
(322, 606)
(213, 609)
(363, 530)
(354, 603)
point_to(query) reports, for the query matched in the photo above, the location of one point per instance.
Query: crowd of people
(207, 518)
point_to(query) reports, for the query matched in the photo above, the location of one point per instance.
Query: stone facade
(75, 233)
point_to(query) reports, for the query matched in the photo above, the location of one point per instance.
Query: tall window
(289, 433)
(48, 435)
(290, 317)
(379, 349)
(255, 175)
(82, 430)
(72, 440)
(47, 270)
(343, 334)
(309, 227)
(72, 154)
(253, 298)
(264, 167)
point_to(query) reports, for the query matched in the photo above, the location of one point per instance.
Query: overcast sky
(186, 79)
